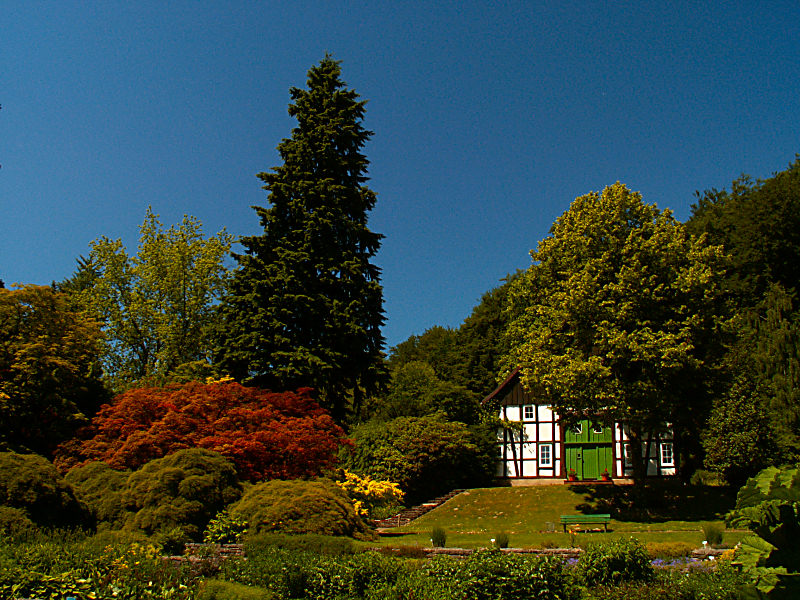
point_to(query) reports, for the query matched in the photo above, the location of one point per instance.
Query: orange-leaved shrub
(266, 434)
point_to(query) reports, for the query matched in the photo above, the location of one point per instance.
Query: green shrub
(501, 540)
(14, 523)
(299, 507)
(403, 551)
(721, 583)
(102, 489)
(30, 483)
(56, 564)
(492, 575)
(301, 574)
(706, 478)
(427, 456)
(614, 562)
(713, 532)
(326, 545)
(225, 528)
(358, 576)
(216, 589)
(175, 497)
(669, 549)
(438, 537)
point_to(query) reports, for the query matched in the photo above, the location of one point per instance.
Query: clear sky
(489, 119)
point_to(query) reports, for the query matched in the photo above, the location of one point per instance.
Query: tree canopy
(265, 434)
(157, 307)
(614, 317)
(305, 306)
(758, 224)
(50, 374)
(427, 455)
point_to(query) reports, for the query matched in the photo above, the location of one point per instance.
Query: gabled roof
(501, 389)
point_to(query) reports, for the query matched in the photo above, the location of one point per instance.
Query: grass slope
(530, 515)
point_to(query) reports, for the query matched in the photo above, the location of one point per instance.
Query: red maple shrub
(267, 435)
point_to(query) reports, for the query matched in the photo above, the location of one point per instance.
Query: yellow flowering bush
(368, 494)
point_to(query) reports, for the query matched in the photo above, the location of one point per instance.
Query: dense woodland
(163, 390)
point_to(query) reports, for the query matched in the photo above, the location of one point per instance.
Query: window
(545, 455)
(528, 413)
(626, 454)
(597, 428)
(667, 457)
(577, 429)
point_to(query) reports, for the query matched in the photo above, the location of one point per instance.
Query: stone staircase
(404, 517)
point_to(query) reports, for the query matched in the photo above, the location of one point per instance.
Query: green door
(590, 462)
(588, 450)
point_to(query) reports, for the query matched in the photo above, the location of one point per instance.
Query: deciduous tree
(50, 375)
(305, 306)
(157, 306)
(266, 434)
(615, 316)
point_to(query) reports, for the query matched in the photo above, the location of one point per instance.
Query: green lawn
(530, 515)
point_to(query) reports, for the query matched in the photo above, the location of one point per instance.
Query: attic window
(528, 412)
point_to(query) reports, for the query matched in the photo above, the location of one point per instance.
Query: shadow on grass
(659, 502)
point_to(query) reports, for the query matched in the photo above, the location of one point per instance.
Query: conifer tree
(305, 306)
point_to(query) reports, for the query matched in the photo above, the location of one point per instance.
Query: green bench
(602, 519)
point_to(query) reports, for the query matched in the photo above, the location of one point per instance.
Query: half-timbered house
(537, 443)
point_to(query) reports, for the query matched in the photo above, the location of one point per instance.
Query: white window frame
(549, 462)
(667, 451)
(577, 429)
(597, 428)
(528, 412)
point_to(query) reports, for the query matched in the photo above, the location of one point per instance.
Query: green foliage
(216, 589)
(501, 540)
(614, 562)
(175, 497)
(102, 489)
(449, 370)
(713, 532)
(49, 369)
(305, 306)
(767, 354)
(669, 550)
(769, 505)
(326, 545)
(30, 483)
(14, 523)
(720, 583)
(415, 391)
(427, 455)
(739, 439)
(758, 223)
(297, 506)
(158, 306)
(437, 347)
(225, 528)
(300, 574)
(616, 315)
(64, 565)
(491, 575)
(438, 537)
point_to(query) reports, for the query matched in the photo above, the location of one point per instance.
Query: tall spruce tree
(305, 306)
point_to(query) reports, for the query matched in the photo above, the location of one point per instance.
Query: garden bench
(602, 519)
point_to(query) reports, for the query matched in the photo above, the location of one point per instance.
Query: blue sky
(489, 119)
